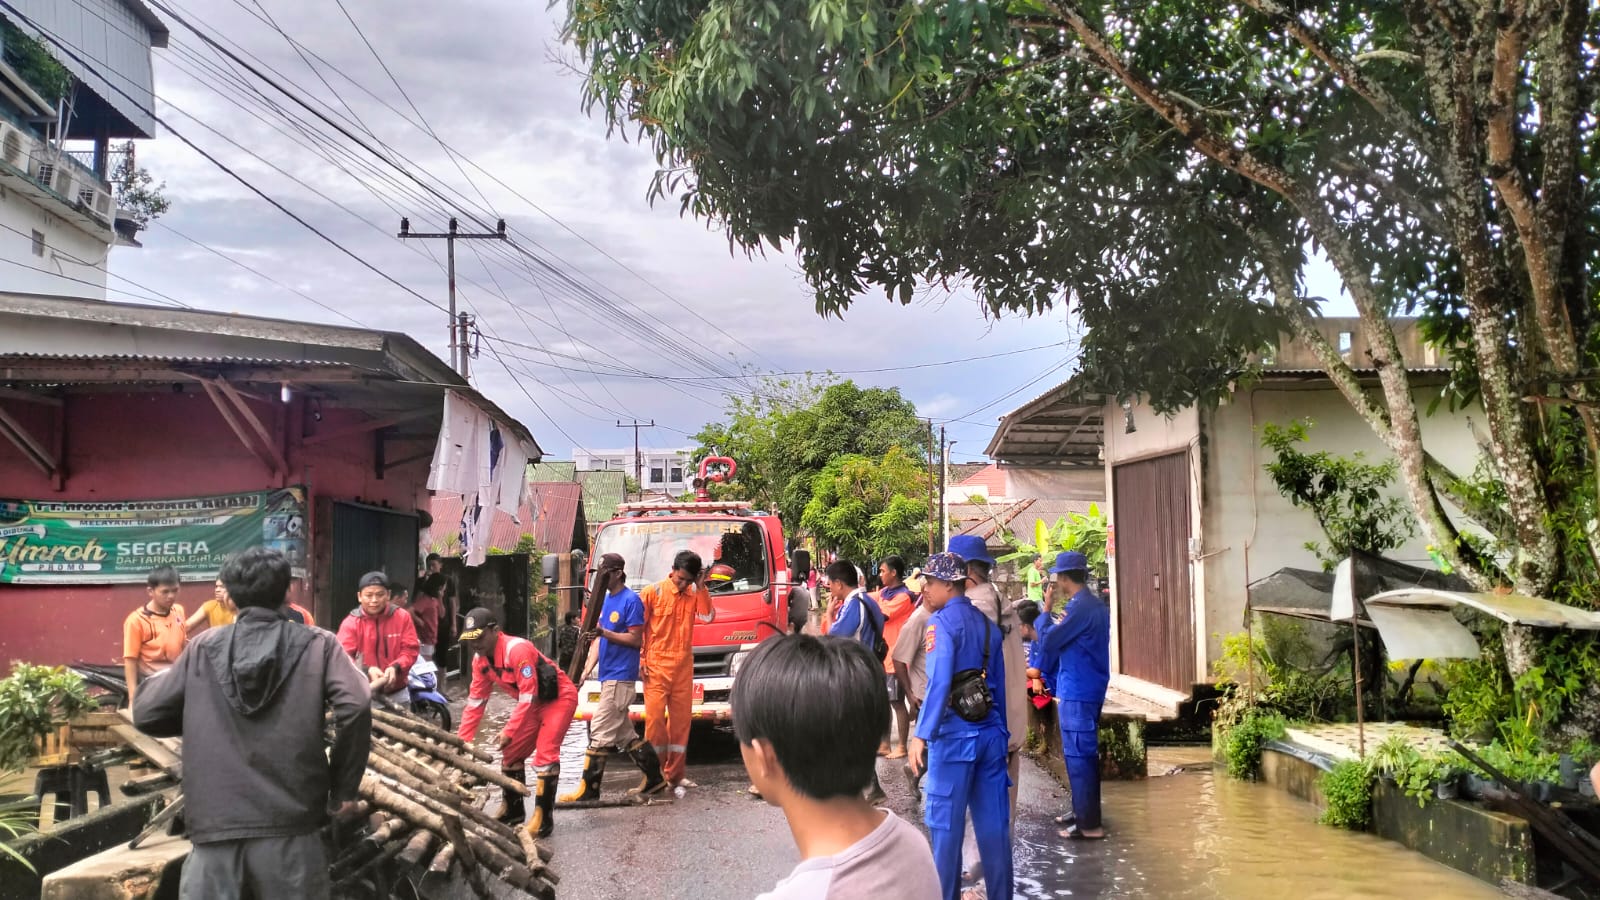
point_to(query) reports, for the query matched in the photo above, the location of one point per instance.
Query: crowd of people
(932, 666)
(960, 665)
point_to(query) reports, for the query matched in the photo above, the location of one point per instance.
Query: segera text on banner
(100, 542)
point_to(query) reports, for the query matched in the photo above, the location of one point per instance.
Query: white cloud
(482, 77)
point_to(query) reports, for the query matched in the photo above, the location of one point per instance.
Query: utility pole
(638, 460)
(464, 327)
(944, 507)
(458, 349)
(933, 499)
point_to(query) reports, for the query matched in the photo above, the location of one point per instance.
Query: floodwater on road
(1202, 835)
(1188, 836)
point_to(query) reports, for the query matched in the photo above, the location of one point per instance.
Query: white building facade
(59, 217)
(671, 471)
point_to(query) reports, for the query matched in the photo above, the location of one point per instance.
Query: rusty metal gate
(1155, 612)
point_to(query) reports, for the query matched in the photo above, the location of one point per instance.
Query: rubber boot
(512, 809)
(543, 822)
(644, 756)
(594, 767)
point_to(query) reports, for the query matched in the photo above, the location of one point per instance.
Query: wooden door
(1155, 611)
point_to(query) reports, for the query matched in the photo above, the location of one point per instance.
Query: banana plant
(1084, 532)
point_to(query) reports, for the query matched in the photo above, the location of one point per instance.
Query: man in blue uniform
(621, 629)
(1078, 649)
(961, 745)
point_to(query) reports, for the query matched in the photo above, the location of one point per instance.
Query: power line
(218, 47)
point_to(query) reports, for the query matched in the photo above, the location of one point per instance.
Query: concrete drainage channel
(1463, 835)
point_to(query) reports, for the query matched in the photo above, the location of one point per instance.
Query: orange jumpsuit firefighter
(671, 609)
(536, 727)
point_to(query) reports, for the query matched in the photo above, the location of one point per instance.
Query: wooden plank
(25, 442)
(165, 753)
(226, 409)
(267, 443)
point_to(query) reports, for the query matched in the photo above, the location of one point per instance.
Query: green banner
(95, 542)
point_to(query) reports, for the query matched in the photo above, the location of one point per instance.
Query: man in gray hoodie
(259, 780)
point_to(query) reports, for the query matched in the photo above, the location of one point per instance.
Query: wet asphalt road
(1188, 836)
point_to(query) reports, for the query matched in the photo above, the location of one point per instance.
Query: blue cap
(946, 567)
(1067, 560)
(971, 548)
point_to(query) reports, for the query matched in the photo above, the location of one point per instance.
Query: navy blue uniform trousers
(1080, 745)
(968, 771)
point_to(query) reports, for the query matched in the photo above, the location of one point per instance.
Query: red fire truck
(751, 607)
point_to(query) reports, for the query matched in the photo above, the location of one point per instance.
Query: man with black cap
(620, 625)
(1078, 649)
(546, 700)
(382, 639)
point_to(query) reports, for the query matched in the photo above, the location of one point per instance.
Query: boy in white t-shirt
(809, 713)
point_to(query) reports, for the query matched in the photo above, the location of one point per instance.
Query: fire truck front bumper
(710, 702)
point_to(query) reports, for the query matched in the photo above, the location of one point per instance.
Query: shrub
(1242, 742)
(34, 701)
(1348, 789)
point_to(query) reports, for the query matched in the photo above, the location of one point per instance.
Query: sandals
(1066, 819)
(1077, 834)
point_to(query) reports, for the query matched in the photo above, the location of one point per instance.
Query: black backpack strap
(986, 626)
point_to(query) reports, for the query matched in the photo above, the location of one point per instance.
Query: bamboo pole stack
(426, 789)
(423, 800)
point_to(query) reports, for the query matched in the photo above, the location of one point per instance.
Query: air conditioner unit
(102, 204)
(12, 147)
(63, 184)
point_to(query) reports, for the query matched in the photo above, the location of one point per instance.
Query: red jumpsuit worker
(671, 610)
(537, 726)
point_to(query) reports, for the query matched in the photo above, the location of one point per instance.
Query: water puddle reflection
(1201, 836)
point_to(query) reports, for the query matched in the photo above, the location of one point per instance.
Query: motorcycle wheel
(433, 711)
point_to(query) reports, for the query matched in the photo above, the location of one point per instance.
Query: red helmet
(721, 573)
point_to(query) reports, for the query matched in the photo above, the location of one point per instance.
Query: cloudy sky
(486, 80)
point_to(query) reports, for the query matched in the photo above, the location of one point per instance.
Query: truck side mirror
(549, 566)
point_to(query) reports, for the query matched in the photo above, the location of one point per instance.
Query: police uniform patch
(527, 672)
(615, 617)
(927, 639)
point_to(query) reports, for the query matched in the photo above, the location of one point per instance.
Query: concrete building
(164, 428)
(58, 209)
(669, 471)
(1194, 516)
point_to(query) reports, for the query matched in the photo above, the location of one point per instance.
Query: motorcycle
(426, 700)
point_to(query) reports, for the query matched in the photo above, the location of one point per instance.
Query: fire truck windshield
(649, 545)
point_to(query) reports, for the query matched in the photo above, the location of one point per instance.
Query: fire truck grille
(713, 662)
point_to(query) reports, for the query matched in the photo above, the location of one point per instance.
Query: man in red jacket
(546, 700)
(381, 639)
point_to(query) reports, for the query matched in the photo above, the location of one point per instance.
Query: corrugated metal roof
(191, 360)
(558, 509)
(603, 492)
(553, 470)
(986, 519)
(550, 514)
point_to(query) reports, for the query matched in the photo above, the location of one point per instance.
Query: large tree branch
(1348, 71)
(1421, 470)
(1451, 73)
(1405, 435)
(1539, 247)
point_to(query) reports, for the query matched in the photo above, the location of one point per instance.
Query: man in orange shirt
(153, 635)
(671, 610)
(897, 603)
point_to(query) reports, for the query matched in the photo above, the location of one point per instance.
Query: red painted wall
(153, 445)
